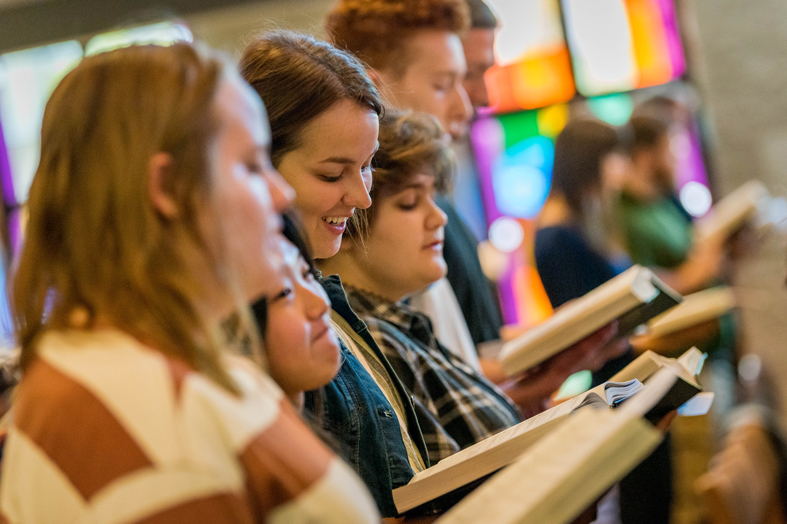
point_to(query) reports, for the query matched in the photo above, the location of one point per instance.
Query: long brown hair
(299, 77)
(94, 241)
(579, 151)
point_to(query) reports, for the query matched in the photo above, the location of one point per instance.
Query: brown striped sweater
(109, 431)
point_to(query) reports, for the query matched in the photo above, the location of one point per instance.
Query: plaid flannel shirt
(458, 407)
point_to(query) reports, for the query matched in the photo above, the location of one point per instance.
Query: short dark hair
(377, 31)
(481, 16)
(579, 150)
(298, 78)
(410, 144)
(645, 132)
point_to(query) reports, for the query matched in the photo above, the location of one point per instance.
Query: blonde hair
(94, 241)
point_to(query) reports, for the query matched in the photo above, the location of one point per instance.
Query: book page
(732, 211)
(523, 427)
(695, 309)
(562, 474)
(578, 319)
(656, 387)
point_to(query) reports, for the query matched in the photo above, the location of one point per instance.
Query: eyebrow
(419, 185)
(346, 160)
(337, 160)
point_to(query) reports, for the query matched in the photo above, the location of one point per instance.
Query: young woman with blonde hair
(153, 215)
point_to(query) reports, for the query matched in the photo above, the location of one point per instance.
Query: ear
(160, 185)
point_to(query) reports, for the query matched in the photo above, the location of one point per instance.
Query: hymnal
(632, 298)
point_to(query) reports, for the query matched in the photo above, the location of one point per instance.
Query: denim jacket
(355, 414)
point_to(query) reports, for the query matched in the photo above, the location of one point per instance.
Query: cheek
(396, 234)
(285, 343)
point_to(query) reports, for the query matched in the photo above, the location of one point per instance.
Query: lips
(321, 331)
(336, 224)
(437, 244)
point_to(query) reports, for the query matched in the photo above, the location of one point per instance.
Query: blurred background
(719, 61)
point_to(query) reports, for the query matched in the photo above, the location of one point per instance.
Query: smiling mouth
(336, 220)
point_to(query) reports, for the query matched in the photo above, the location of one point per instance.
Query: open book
(455, 473)
(632, 298)
(685, 368)
(733, 211)
(695, 309)
(476, 462)
(566, 471)
(499, 450)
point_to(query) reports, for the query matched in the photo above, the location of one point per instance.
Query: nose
(316, 304)
(437, 217)
(282, 194)
(357, 192)
(477, 92)
(462, 108)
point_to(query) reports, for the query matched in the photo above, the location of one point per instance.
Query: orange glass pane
(532, 302)
(650, 43)
(531, 83)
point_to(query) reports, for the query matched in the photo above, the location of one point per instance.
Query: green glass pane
(613, 109)
(519, 126)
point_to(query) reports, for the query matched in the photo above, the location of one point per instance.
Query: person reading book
(324, 111)
(573, 256)
(657, 232)
(152, 218)
(400, 253)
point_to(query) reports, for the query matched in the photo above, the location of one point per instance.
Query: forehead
(240, 108)
(435, 51)
(478, 46)
(421, 180)
(346, 129)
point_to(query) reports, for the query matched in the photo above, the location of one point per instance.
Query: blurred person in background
(324, 116)
(657, 232)
(414, 52)
(153, 217)
(572, 252)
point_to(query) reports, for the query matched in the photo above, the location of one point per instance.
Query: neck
(297, 400)
(555, 212)
(353, 270)
(640, 184)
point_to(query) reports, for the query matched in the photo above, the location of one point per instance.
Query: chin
(326, 248)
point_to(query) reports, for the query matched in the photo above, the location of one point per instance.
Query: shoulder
(555, 240)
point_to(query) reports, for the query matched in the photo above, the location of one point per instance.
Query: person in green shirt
(658, 233)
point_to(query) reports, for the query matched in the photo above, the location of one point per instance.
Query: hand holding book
(532, 389)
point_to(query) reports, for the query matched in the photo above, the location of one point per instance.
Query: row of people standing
(154, 219)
